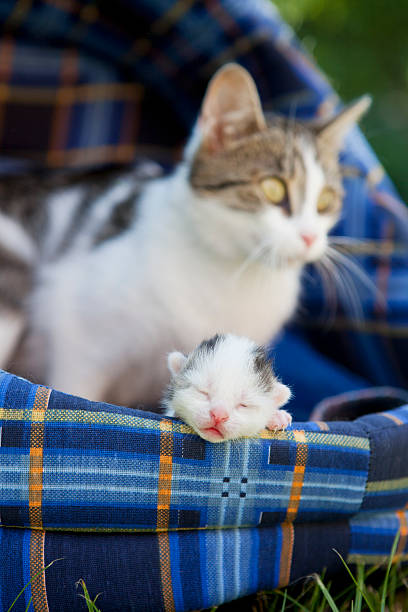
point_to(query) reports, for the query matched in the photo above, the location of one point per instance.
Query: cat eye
(274, 189)
(326, 202)
(203, 393)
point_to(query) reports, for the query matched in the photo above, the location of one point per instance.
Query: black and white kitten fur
(226, 389)
(218, 246)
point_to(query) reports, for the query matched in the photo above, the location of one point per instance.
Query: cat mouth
(213, 432)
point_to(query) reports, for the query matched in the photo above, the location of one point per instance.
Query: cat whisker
(346, 240)
(254, 256)
(355, 270)
(346, 289)
(348, 294)
(329, 290)
(343, 273)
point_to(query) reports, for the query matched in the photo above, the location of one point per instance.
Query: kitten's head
(277, 181)
(225, 388)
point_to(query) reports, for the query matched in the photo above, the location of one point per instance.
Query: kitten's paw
(279, 420)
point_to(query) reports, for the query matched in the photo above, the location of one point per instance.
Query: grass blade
(326, 593)
(284, 602)
(292, 600)
(363, 593)
(30, 581)
(89, 602)
(29, 604)
(387, 573)
(360, 580)
(315, 596)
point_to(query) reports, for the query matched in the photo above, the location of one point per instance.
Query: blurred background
(362, 46)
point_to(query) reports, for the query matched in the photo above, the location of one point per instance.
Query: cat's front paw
(279, 420)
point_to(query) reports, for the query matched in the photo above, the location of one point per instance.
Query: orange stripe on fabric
(93, 155)
(403, 533)
(37, 573)
(35, 479)
(165, 571)
(70, 94)
(288, 538)
(6, 63)
(298, 475)
(392, 418)
(165, 474)
(163, 511)
(288, 532)
(63, 104)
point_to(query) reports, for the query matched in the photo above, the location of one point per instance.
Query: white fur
(165, 284)
(15, 240)
(284, 233)
(11, 327)
(100, 212)
(309, 221)
(61, 207)
(189, 267)
(224, 382)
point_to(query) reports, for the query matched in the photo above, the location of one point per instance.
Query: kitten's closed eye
(234, 392)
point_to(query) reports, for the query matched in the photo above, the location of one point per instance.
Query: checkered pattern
(195, 524)
(215, 521)
(91, 467)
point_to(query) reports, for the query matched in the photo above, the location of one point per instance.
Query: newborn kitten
(217, 246)
(225, 389)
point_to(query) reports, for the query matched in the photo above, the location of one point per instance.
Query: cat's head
(273, 180)
(225, 388)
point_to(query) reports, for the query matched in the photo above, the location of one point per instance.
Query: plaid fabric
(205, 523)
(95, 467)
(181, 570)
(86, 83)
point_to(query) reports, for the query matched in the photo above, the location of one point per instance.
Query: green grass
(29, 605)
(90, 603)
(373, 590)
(351, 42)
(361, 589)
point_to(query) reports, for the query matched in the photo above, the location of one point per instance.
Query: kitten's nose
(219, 414)
(308, 238)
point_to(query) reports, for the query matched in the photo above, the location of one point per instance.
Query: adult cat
(218, 246)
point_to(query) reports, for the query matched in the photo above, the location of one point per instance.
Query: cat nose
(308, 238)
(219, 414)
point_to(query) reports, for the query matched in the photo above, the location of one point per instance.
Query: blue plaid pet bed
(147, 513)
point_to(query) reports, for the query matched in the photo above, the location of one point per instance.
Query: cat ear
(231, 108)
(281, 394)
(334, 130)
(175, 362)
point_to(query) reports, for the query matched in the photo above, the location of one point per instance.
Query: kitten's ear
(231, 108)
(281, 394)
(334, 130)
(175, 362)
